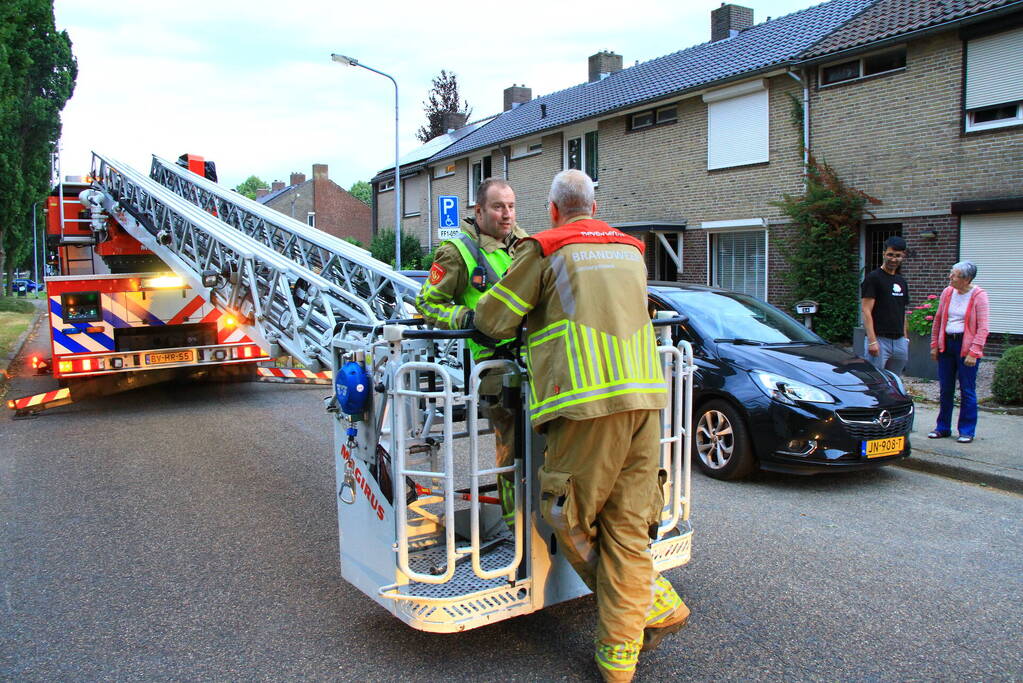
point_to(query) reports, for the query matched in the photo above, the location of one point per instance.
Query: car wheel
(721, 442)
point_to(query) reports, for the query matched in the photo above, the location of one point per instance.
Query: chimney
(262, 192)
(297, 178)
(726, 21)
(319, 171)
(451, 120)
(277, 185)
(603, 64)
(516, 95)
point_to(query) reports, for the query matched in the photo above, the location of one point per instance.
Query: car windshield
(738, 318)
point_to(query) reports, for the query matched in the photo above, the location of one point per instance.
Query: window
(737, 125)
(876, 234)
(413, 193)
(994, 80)
(642, 120)
(525, 149)
(739, 262)
(653, 117)
(81, 307)
(666, 252)
(479, 171)
(861, 67)
(310, 218)
(386, 185)
(581, 153)
(667, 114)
(443, 171)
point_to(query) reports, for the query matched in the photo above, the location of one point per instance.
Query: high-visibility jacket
(590, 347)
(448, 294)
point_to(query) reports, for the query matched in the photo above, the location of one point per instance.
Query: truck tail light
(65, 366)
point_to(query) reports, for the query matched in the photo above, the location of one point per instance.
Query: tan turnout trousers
(601, 493)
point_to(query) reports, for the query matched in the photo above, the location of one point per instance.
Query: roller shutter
(994, 241)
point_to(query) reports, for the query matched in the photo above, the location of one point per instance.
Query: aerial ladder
(418, 531)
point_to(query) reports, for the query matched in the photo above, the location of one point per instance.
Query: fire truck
(421, 530)
(120, 318)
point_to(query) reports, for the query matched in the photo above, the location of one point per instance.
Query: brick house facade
(904, 136)
(322, 203)
(897, 134)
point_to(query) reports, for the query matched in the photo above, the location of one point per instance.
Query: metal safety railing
(514, 470)
(676, 444)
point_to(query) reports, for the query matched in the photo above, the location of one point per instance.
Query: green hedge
(1007, 386)
(16, 304)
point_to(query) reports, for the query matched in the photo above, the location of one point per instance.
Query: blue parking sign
(447, 209)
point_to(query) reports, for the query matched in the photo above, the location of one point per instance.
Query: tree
(362, 191)
(37, 77)
(444, 100)
(249, 186)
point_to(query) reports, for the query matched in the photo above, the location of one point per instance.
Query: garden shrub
(921, 318)
(1007, 386)
(822, 254)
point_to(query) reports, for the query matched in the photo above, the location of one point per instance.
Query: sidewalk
(995, 458)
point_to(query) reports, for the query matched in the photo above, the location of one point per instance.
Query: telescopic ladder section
(388, 293)
(275, 298)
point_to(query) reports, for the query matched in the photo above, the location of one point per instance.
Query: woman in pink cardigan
(958, 335)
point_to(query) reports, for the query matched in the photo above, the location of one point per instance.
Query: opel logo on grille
(884, 419)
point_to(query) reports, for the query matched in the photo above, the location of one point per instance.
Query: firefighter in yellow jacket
(463, 269)
(596, 392)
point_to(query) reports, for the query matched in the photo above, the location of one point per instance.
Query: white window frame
(861, 67)
(655, 117)
(580, 133)
(716, 228)
(386, 185)
(473, 162)
(744, 105)
(445, 170)
(526, 148)
(310, 219)
(994, 78)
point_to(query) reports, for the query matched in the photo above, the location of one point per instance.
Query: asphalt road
(189, 533)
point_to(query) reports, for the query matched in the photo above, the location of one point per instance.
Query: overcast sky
(251, 85)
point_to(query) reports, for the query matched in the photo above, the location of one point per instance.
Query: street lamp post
(351, 61)
(35, 246)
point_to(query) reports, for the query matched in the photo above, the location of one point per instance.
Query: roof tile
(757, 48)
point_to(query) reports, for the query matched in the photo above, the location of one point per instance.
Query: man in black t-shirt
(884, 297)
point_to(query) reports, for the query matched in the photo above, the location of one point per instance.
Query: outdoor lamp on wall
(929, 234)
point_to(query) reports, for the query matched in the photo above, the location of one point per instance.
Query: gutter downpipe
(806, 120)
(429, 209)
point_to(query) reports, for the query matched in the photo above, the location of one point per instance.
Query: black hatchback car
(772, 394)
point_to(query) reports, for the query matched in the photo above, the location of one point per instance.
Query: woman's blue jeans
(951, 365)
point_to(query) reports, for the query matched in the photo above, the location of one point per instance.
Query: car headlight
(895, 381)
(789, 390)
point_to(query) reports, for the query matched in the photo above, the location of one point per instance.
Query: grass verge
(15, 316)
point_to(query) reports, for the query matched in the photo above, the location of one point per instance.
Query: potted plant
(920, 320)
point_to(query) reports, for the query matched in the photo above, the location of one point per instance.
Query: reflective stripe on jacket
(591, 349)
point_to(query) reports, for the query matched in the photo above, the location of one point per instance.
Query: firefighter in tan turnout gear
(596, 389)
(463, 269)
